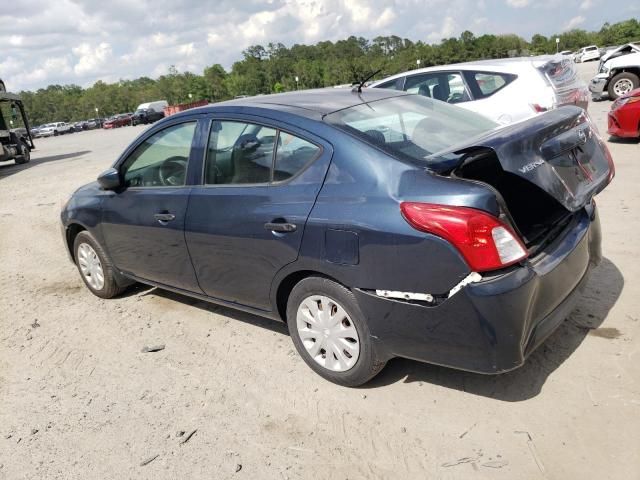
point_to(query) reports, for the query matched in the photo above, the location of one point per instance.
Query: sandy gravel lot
(78, 399)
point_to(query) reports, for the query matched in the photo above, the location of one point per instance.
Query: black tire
(623, 76)
(26, 153)
(55, 133)
(368, 364)
(110, 288)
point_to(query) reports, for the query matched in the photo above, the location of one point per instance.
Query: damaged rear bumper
(491, 326)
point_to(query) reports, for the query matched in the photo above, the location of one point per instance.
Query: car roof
(313, 104)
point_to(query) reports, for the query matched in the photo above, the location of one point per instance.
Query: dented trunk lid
(559, 151)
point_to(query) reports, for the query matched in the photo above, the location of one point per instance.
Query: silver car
(505, 90)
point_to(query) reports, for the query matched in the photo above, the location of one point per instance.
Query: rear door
(246, 221)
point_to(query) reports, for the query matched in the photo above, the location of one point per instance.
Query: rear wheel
(25, 153)
(330, 332)
(94, 267)
(622, 84)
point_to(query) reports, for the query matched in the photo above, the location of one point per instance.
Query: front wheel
(94, 266)
(330, 332)
(622, 84)
(25, 153)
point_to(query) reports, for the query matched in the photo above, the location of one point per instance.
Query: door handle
(280, 227)
(164, 217)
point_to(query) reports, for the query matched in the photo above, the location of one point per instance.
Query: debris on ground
(188, 437)
(147, 461)
(153, 348)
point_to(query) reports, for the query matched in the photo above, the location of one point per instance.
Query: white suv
(585, 54)
(505, 90)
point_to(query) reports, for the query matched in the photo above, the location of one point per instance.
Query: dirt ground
(78, 399)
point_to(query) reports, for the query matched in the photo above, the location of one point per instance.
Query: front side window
(161, 159)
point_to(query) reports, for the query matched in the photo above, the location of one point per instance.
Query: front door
(247, 219)
(143, 224)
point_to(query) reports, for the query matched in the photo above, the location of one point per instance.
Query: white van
(157, 106)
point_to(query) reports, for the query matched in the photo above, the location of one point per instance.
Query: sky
(81, 41)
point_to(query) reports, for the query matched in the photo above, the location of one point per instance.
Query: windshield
(411, 126)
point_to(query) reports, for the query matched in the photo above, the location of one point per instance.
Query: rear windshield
(412, 127)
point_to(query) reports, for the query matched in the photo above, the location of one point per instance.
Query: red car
(118, 121)
(624, 117)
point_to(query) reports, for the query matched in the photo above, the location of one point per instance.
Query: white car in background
(54, 129)
(592, 52)
(505, 90)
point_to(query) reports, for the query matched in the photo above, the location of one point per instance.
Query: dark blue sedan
(376, 224)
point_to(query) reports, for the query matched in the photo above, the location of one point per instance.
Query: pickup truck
(618, 72)
(55, 129)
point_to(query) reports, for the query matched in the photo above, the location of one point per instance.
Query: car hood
(623, 50)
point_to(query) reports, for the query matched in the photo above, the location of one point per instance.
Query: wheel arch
(71, 232)
(286, 285)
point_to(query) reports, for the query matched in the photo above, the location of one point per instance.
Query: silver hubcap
(623, 86)
(327, 333)
(90, 266)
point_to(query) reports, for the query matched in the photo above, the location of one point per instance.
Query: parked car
(95, 123)
(157, 105)
(35, 131)
(55, 129)
(505, 90)
(145, 116)
(624, 117)
(585, 54)
(377, 224)
(80, 126)
(618, 72)
(116, 121)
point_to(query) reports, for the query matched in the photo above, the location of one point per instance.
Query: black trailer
(15, 143)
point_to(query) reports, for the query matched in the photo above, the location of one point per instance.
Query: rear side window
(444, 86)
(485, 84)
(239, 153)
(292, 155)
(245, 153)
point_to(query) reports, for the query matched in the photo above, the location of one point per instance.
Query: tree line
(275, 68)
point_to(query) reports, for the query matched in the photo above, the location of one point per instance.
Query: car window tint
(292, 155)
(395, 84)
(239, 153)
(444, 86)
(161, 159)
(489, 82)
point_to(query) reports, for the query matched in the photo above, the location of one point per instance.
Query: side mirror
(110, 179)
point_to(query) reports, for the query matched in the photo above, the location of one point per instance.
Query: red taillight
(538, 108)
(483, 240)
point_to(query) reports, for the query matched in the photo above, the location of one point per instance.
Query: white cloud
(88, 40)
(574, 22)
(518, 3)
(586, 4)
(91, 59)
